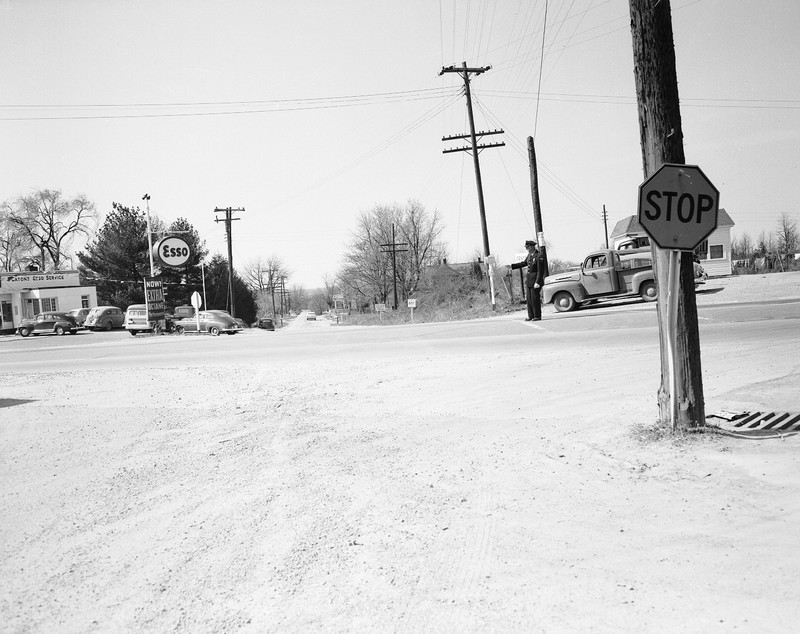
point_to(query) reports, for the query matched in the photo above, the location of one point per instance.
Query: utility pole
(391, 247)
(662, 142)
(146, 198)
(537, 208)
(227, 220)
(605, 223)
(465, 73)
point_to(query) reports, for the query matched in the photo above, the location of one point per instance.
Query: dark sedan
(266, 323)
(48, 323)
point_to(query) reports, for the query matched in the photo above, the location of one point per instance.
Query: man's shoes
(536, 319)
(528, 319)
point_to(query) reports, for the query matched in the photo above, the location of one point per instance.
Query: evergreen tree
(217, 290)
(117, 259)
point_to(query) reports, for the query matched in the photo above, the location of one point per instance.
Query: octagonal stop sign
(678, 207)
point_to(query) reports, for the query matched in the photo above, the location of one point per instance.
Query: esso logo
(172, 251)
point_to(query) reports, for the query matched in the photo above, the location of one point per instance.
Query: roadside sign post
(380, 309)
(412, 304)
(197, 302)
(678, 209)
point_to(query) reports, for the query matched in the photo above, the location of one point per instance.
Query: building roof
(630, 225)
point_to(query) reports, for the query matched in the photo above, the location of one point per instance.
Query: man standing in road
(534, 278)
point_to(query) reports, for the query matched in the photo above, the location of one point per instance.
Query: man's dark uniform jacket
(535, 273)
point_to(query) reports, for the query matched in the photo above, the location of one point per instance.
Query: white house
(27, 293)
(714, 253)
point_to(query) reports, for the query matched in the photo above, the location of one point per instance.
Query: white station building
(25, 294)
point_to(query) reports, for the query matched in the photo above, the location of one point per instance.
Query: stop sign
(678, 207)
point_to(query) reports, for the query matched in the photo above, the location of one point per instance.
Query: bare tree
(367, 274)
(14, 243)
(264, 276)
(786, 235)
(51, 222)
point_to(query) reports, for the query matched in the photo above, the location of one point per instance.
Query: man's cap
(530, 243)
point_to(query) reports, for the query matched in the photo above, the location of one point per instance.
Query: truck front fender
(576, 290)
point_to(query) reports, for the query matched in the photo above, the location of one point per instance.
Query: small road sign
(678, 207)
(412, 303)
(197, 301)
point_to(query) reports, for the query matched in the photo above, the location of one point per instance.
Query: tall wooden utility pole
(228, 211)
(391, 247)
(537, 208)
(605, 223)
(662, 142)
(465, 72)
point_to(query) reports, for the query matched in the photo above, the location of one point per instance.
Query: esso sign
(678, 207)
(173, 252)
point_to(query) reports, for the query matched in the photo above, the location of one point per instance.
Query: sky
(306, 114)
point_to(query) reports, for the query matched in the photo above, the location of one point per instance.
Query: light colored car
(44, 323)
(211, 322)
(136, 320)
(104, 318)
(311, 316)
(79, 314)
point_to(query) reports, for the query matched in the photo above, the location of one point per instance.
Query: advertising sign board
(154, 298)
(173, 252)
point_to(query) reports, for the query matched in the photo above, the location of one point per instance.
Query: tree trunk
(662, 142)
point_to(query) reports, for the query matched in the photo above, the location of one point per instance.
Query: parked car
(43, 323)
(104, 318)
(136, 320)
(212, 322)
(311, 316)
(238, 320)
(79, 314)
(266, 323)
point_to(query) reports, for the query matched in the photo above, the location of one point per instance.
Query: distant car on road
(48, 323)
(104, 318)
(212, 322)
(311, 316)
(266, 323)
(79, 314)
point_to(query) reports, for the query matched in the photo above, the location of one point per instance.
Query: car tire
(213, 331)
(180, 330)
(648, 291)
(109, 325)
(133, 332)
(24, 332)
(564, 302)
(59, 331)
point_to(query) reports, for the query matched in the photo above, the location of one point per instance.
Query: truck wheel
(648, 291)
(564, 302)
(133, 332)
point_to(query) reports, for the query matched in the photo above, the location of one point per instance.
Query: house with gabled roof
(715, 253)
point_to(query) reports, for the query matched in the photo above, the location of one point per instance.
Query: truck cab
(604, 274)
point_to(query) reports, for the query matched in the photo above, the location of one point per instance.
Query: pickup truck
(604, 274)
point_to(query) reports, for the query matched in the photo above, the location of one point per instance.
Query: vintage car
(604, 274)
(79, 314)
(266, 323)
(104, 318)
(48, 323)
(136, 320)
(212, 322)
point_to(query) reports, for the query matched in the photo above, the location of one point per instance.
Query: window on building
(702, 250)
(49, 304)
(717, 252)
(84, 301)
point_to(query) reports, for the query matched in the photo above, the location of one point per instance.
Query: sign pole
(672, 332)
